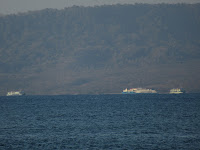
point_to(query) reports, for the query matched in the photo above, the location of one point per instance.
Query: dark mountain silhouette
(95, 50)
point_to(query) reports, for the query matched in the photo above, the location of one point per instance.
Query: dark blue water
(100, 122)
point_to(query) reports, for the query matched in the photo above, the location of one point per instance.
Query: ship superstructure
(15, 93)
(176, 91)
(138, 90)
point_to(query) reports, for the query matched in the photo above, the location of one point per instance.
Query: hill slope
(92, 50)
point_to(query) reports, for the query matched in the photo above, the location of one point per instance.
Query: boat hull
(15, 93)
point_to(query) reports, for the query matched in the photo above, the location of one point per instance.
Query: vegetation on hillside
(101, 49)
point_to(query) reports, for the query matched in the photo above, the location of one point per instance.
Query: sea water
(140, 121)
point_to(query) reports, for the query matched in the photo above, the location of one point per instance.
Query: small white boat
(176, 91)
(138, 91)
(15, 93)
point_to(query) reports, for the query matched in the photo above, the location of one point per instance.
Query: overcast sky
(15, 6)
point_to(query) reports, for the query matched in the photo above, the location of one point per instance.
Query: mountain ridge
(95, 50)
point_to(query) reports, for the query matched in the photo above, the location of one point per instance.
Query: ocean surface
(84, 122)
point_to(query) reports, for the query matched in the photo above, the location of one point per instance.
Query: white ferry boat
(176, 91)
(15, 93)
(138, 90)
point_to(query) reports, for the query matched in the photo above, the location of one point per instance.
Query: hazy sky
(14, 6)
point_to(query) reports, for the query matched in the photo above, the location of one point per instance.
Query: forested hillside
(95, 50)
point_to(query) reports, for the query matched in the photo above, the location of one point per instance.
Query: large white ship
(176, 91)
(15, 93)
(138, 90)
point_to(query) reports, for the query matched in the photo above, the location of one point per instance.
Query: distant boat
(138, 90)
(176, 91)
(15, 93)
